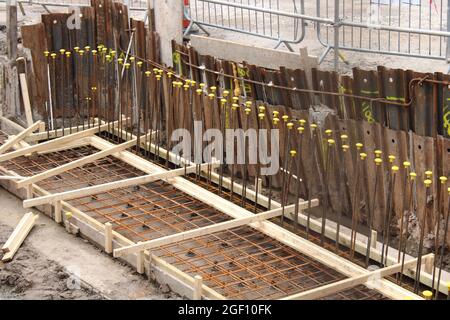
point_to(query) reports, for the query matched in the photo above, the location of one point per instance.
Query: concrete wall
(259, 56)
(168, 24)
(263, 57)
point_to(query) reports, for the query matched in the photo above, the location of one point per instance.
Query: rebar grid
(240, 263)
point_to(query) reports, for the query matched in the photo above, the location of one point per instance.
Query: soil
(31, 276)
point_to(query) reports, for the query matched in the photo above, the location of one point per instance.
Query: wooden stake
(140, 261)
(108, 237)
(198, 287)
(373, 241)
(58, 211)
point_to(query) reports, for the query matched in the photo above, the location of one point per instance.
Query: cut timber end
(18, 236)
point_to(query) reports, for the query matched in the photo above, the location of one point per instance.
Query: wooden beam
(8, 125)
(52, 134)
(75, 164)
(288, 238)
(19, 236)
(190, 234)
(370, 276)
(83, 192)
(26, 99)
(7, 245)
(19, 137)
(52, 143)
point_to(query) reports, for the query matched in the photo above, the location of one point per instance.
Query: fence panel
(396, 27)
(262, 18)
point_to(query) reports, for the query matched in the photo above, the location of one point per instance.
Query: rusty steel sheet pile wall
(402, 113)
(336, 124)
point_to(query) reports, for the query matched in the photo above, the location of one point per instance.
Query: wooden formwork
(237, 214)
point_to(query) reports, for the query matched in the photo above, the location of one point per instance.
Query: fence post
(447, 55)
(336, 35)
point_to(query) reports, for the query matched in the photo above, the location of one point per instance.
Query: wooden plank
(7, 245)
(83, 192)
(52, 134)
(75, 164)
(190, 234)
(370, 276)
(20, 236)
(53, 143)
(26, 99)
(19, 137)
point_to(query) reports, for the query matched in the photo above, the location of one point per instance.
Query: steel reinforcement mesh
(240, 263)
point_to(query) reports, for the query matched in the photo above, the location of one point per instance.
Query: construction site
(224, 150)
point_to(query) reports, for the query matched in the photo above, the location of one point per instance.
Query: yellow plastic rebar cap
(412, 175)
(378, 161)
(443, 179)
(290, 125)
(359, 145)
(363, 155)
(391, 158)
(395, 168)
(406, 164)
(427, 182)
(293, 153)
(427, 294)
